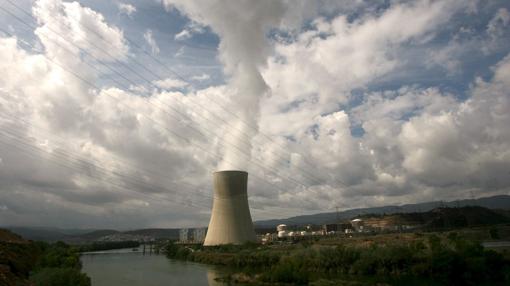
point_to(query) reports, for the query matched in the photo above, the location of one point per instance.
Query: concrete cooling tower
(230, 218)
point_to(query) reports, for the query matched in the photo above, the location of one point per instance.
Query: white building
(199, 234)
(185, 235)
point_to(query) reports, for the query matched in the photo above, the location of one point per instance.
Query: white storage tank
(281, 227)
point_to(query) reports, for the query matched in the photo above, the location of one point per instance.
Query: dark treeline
(108, 245)
(452, 261)
(58, 264)
(27, 263)
(39, 263)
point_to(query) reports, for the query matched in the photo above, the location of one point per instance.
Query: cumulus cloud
(189, 30)
(149, 39)
(125, 8)
(68, 131)
(465, 146)
(315, 62)
(75, 154)
(201, 77)
(85, 27)
(497, 30)
(170, 83)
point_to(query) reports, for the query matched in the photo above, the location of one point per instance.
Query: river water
(126, 267)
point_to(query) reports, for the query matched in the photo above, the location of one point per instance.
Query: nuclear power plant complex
(230, 217)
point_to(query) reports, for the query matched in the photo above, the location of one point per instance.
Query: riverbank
(31, 263)
(448, 259)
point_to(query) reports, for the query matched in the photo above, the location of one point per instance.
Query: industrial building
(199, 234)
(230, 217)
(336, 228)
(192, 235)
(358, 225)
(185, 235)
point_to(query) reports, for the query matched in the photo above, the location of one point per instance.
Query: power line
(239, 150)
(139, 183)
(77, 163)
(304, 172)
(64, 155)
(236, 147)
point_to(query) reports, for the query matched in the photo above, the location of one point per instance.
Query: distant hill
(96, 234)
(465, 217)
(157, 233)
(500, 203)
(86, 236)
(439, 218)
(495, 202)
(46, 233)
(10, 237)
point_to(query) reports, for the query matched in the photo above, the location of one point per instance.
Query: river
(125, 267)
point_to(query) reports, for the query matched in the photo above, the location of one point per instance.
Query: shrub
(170, 249)
(455, 261)
(494, 233)
(288, 271)
(60, 277)
(182, 253)
(59, 255)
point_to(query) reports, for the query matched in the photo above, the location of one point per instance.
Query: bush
(58, 265)
(288, 271)
(182, 253)
(60, 277)
(170, 249)
(59, 255)
(454, 261)
(494, 233)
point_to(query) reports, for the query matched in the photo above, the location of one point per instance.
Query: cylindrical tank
(281, 227)
(230, 217)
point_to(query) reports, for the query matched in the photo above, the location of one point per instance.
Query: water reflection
(212, 275)
(116, 268)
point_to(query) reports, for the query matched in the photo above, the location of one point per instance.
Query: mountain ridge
(493, 202)
(55, 234)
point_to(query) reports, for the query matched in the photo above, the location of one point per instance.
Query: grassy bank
(450, 260)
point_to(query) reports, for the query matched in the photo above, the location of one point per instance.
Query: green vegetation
(17, 258)
(494, 233)
(58, 265)
(450, 259)
(38, 263)
(60, 277)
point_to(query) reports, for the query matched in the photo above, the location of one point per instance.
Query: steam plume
(242, 27)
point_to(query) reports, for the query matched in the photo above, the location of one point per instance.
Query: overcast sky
(114, 114)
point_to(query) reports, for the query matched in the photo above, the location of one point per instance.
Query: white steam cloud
(243, 50)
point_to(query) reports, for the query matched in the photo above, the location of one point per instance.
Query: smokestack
(230, 218)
